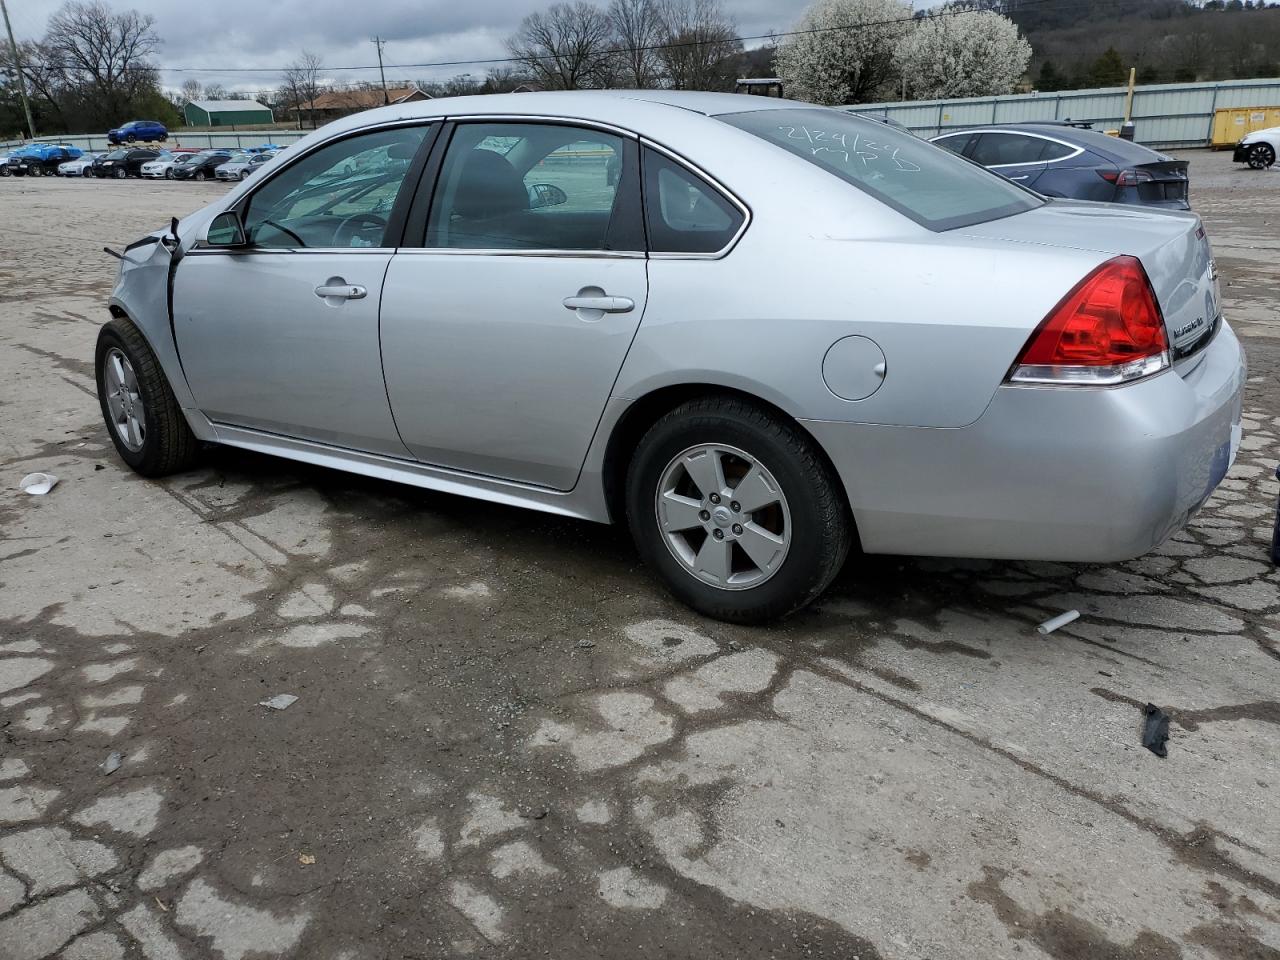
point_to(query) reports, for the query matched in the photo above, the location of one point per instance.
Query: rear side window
(684, 213)
(955, 143)
(920, 180)
(1057, 151)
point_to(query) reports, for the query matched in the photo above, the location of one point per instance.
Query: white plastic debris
(281, 701)
(1061, 620)
(38, 484)
(112, 763)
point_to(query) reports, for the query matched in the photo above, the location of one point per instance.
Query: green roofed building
(226, 113)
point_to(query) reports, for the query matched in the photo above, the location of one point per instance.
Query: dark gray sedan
(1059, 160)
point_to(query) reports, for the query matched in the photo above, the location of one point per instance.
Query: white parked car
(161, 168)
(77, 167)
(1259, 149)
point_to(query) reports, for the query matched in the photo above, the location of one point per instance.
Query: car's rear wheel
(737, 510)
(1261, 156)
(142, 415)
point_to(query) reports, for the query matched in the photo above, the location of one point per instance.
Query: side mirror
(545, 195)
(227, 230)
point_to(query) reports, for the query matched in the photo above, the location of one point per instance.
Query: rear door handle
(603, 304)
(341, 291)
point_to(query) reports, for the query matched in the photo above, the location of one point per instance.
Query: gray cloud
(215, 37)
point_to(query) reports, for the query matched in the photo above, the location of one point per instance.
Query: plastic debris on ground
(1155, 731)
(281, 701)
(38, 484)
(1061, 620)
(112, 763)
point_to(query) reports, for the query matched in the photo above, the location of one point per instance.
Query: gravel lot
(508, 742)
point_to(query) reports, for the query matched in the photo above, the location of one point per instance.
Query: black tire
(168, 174)
(168, 445)
(200, 175)
(121, 173)
(1261, 156)
(821, 526)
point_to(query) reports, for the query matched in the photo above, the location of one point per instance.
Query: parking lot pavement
(508, 742)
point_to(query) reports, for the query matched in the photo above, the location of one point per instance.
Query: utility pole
(17, 64)
(379, 43)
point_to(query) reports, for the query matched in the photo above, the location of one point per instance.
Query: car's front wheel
(200, 175)
(168, 174)
(737, 510)
(1261, 156)
(144, 419)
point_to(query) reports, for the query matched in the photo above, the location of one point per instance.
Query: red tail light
(1126, 178)
(1107, 330)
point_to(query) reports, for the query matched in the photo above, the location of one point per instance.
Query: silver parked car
(758, 332)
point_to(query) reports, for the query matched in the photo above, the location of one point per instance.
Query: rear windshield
(932, 186)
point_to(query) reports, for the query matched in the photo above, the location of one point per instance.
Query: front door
(282, 335)
(503, 333)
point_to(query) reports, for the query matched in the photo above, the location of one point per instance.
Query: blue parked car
(138, 130)
(40, 159)
(1062, 159)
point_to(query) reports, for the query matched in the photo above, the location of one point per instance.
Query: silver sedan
(758, 332)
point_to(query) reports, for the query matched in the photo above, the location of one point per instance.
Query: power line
(494, 61)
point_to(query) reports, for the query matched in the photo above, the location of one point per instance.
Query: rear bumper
(1049, 473)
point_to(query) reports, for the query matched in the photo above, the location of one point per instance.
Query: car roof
(1113, 148)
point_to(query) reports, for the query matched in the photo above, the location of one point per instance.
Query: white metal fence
(1165, 115)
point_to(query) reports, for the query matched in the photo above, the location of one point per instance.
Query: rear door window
(956, 142)
(918, 179)
(536, 186)
(1005, 149)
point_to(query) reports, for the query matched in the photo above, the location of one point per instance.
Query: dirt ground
(509, 742)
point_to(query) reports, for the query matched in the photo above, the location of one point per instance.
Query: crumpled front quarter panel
(142, 292)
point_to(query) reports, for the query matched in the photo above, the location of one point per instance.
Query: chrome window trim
(1034, 134)
(541, 118)
(507, 252)
(718, 187)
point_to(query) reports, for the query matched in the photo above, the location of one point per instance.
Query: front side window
(338, 196)
(683, 212)
(535, 186)
(920, 180)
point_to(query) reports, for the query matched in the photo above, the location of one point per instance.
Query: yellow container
(1230, 124)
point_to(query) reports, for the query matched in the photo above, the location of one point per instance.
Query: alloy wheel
(1261, 156)
(124, 400)
(723, 516)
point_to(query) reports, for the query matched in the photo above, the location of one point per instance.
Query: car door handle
(341, 291)
(1025, 176)
(603, 304)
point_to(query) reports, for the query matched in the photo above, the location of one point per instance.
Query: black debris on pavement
(1155, 732)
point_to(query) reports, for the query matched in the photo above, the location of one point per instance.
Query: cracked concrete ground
(906, 771)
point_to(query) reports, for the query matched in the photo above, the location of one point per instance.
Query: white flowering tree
(843, 51)
(962, 55)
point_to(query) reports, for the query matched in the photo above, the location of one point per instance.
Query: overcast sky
(214, 35)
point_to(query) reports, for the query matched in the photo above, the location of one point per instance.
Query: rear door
(504, 330)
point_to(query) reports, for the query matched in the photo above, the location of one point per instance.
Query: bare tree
(99, 59)
(216, 91)
(566, 47)
(699, 44)
(191, 90)
(301, 85)
(637, 32)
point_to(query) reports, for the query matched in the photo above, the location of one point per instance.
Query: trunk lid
(1172, 246)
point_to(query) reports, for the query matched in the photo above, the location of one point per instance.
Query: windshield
(932, 186)
(117, 154)
(240, 158)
